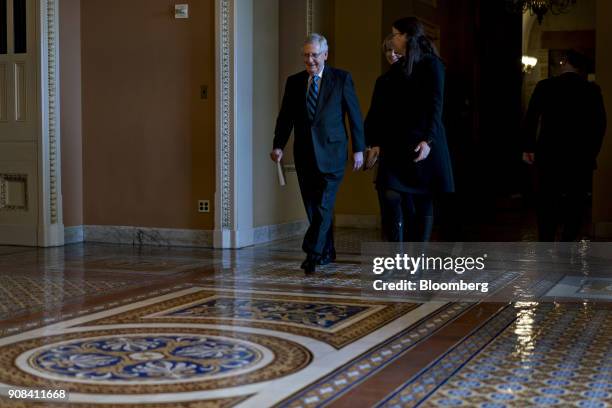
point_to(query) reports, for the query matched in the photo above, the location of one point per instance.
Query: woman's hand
(423, 150)
(371, 157)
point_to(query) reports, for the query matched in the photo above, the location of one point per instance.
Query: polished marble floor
(124, 326)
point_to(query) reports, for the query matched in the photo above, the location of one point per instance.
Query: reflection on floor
(122, 326)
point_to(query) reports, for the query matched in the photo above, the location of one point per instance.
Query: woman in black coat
(405, 125)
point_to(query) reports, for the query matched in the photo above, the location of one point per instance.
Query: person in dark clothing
(315, 104)
(405, 124)
(375, 117)
(570, 113)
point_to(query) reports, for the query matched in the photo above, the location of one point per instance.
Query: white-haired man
(315, 103)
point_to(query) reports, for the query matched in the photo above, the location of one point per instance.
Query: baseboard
(148, 236)
(234, 239)
(112, 234)
(74, 235)
(269, 233)
(357, 221)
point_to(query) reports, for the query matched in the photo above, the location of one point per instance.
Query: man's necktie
(313, 94)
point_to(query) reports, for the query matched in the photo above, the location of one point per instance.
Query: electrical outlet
(181, 11)
(204, 206)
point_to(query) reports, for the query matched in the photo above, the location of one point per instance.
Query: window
(20, 24)
(3, 27)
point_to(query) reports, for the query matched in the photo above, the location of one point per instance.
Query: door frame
(233, 132)
(43, 194)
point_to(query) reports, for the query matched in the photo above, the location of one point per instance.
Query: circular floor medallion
(142, 360)
(150, 358)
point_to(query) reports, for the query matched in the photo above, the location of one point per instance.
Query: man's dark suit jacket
(326, 136)
(571, 116)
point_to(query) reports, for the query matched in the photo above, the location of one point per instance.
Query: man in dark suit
(570, 113)
(314, 105)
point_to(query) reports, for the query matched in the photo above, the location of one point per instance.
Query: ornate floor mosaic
(325, 319)
(204, 346)
(153, 327)
(284, 272)
(22, 293)
(528, 355)
(348, 241)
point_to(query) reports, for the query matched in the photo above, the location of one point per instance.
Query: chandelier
(529, 63)
(540, 7)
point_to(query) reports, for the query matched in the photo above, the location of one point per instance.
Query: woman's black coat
(405, 111)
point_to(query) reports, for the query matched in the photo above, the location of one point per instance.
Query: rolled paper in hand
(280, 171)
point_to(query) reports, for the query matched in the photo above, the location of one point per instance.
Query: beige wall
(70, 94)
(292, 30)
(148, 138)
(324, 21)
(602, 191)
(357, 50)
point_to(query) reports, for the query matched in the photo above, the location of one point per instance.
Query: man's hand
(371, 157)
(357, 160)
(423, 150)
(528, 157)
(276, 155)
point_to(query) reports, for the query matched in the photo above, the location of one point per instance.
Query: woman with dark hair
(414, 162)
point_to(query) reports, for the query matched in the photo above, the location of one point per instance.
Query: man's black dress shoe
(310, 264)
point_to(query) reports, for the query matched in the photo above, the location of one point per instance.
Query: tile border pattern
(420, 387)
(551, 355)
(342, 380)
